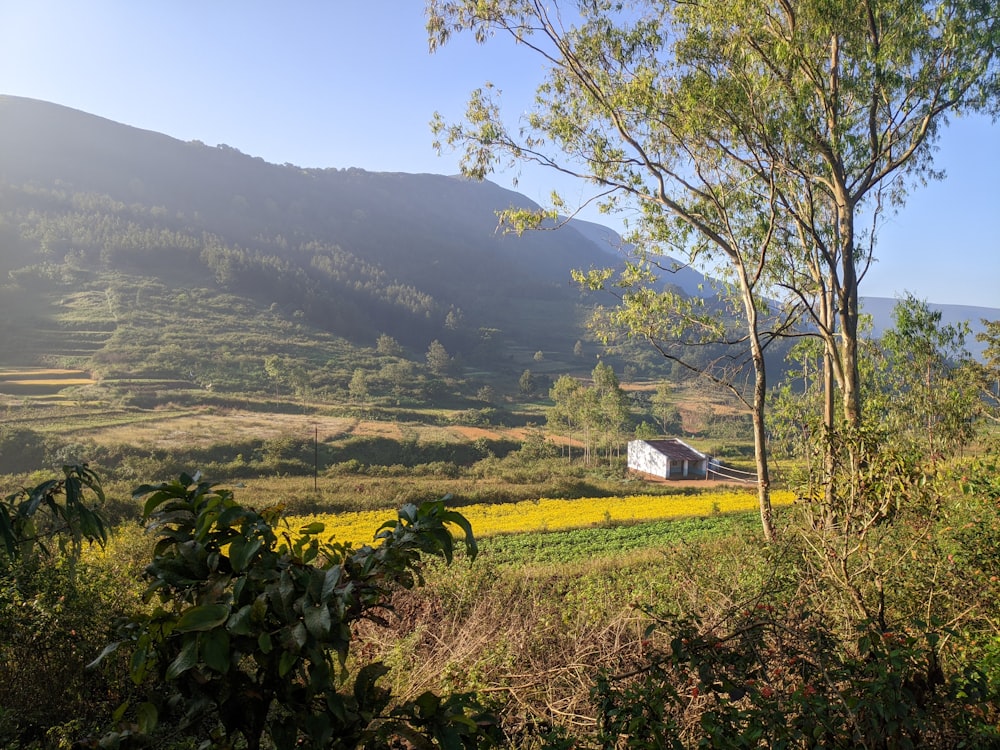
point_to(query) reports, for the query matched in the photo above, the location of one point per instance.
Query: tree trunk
(757, 413)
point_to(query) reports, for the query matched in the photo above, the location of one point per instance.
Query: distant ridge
(357, 253)
(880, 308)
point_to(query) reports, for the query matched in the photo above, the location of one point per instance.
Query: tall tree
(663, 408)
(928, 379)
(561, 418)
(526, 383)
(613, 408)
(357, 389)
(760, 134)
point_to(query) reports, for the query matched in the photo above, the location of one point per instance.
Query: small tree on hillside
(526, 383)
(387, 346)
(438, 360)
(358, 387)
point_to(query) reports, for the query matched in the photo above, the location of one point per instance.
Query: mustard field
(548, 514)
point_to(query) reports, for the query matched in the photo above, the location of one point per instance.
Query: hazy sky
(343, 83)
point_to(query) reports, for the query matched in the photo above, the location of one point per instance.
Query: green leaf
(286, 662)
(330, 581)
(139, 662)
(215, 650)
(298, 635)
(186, 659)
(204, 617)
(317, 620)
(471, 548)
(264, 642)
(109, 649)
(316, 527)
(147, 717)
(239, 621)
(242, 551)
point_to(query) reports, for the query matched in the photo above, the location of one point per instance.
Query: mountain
(95, 214)
(136, 255)
(673, 271)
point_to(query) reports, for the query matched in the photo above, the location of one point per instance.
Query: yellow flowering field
(549, 514)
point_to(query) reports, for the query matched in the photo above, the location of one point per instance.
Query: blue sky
(345, 83)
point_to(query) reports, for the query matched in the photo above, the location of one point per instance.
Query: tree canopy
(758, 136)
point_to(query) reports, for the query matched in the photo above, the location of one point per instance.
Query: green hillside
(129, 253)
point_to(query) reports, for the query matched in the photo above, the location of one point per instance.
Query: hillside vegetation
(315, 458)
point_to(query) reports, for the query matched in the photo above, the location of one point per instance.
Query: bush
(55, 618)
(786, 680)
(252, 633)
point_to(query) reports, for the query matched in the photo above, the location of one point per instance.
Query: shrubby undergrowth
(704, 638)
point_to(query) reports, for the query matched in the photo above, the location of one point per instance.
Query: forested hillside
(114, 238)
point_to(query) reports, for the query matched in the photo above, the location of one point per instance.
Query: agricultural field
(205, 425)
(558, 514)
(41, 383)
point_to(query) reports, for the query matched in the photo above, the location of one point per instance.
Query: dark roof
(676, 449)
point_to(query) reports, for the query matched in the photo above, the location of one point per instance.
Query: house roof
(675, 449)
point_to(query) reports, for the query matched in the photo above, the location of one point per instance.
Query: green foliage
(58, 509)
(20, 448)
(581, 545)
(597, 415)
(55, 616)
(438, 360)
(252, 630)
(775, 679)
(924, 382)
(53, 612)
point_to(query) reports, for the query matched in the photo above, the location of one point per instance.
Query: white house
(668, 459)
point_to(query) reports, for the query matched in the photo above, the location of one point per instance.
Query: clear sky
(342, 83)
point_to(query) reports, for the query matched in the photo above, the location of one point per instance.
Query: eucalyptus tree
(929, 380)
(759, 134)
(619, 110)
(562, 418)
(613, 413)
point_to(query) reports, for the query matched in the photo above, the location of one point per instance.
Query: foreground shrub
(54, 609)
(252, 632)
(788, 681)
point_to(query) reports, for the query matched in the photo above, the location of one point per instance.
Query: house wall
(644, 458)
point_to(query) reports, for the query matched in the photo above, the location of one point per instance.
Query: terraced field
(40, 382)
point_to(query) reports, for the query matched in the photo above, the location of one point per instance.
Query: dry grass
(54, 382)
(475, 433)
(389, 430)
(206, 427)
(35, 373)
